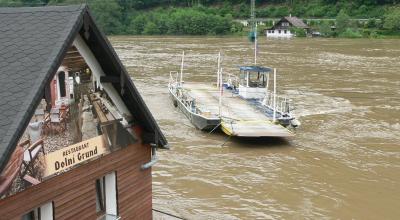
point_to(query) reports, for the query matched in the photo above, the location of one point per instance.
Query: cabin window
(106, 196)
(61, 84)
(44, 212)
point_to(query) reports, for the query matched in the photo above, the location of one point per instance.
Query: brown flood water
(344, 162)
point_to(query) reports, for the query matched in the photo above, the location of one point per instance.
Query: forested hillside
(216, 17)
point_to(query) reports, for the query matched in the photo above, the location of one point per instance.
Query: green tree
(392, 20)
(108, 15)
(325, 29)
(342, 21)
(299, 32)
(350, 33)
(137, 24)
(151, 28)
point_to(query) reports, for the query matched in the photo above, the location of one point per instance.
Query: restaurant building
(76, 138)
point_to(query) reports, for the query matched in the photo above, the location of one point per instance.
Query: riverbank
(333, 18)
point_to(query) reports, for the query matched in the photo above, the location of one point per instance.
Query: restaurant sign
(68, 157)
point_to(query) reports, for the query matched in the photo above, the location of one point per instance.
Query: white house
(282, 28)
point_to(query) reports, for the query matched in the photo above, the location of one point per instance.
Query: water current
(343, 163)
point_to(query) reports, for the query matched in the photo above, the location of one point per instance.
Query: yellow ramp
(254, 129)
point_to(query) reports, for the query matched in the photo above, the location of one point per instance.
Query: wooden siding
(74, 194)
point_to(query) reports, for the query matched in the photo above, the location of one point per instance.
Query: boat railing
(283, 104)
(173, 81)
(232, 79)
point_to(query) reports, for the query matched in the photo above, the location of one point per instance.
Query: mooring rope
(215, 128)
(166, 213)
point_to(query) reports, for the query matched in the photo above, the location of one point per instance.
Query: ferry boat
(248, 110)
(199, 115)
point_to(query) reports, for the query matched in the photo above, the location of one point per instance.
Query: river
(343, 163)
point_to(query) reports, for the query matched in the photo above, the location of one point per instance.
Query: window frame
(106, 188)
(40, 212)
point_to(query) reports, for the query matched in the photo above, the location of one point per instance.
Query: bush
(350, 33)
(299, 32)
(371, 23)
(325, 29)
(151, 29)
(392, 20)
(342, 21)
(137, 24)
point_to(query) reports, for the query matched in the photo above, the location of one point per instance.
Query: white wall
(276, 34)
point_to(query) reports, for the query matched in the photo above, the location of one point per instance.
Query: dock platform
(239, 118)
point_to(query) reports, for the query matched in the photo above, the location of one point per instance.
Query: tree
(137, 24)
(151, 29)
(342, 21)
(392, 20)
(299, 32)
(108, 15)
(325, 29)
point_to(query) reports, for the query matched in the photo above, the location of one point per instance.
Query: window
(100, 195)
(106, 197)
(285, 31)
(273, 31)
(44, 212)
(279, 31)
(61, 84)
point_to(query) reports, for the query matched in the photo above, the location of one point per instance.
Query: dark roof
(256, 69)
(295, 21)
(33, 43)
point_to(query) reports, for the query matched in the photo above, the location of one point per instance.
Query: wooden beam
(110, 79)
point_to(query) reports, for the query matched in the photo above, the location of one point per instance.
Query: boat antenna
(183, 57)
(218, 70)
(252, 19)
(255, 45)
(274, 114)
(221, 89)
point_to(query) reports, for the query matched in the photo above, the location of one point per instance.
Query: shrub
(151, 29)
(350, 33)
(299, 32)
(325, 29)
(137, 24)
(342, 21)
(392, 20)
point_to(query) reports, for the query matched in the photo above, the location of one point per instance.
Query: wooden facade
(73, 193)
(109, 179)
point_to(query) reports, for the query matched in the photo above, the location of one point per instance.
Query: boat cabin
(76, 138)
(253, 81)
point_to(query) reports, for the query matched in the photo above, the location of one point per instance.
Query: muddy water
(344, 162)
